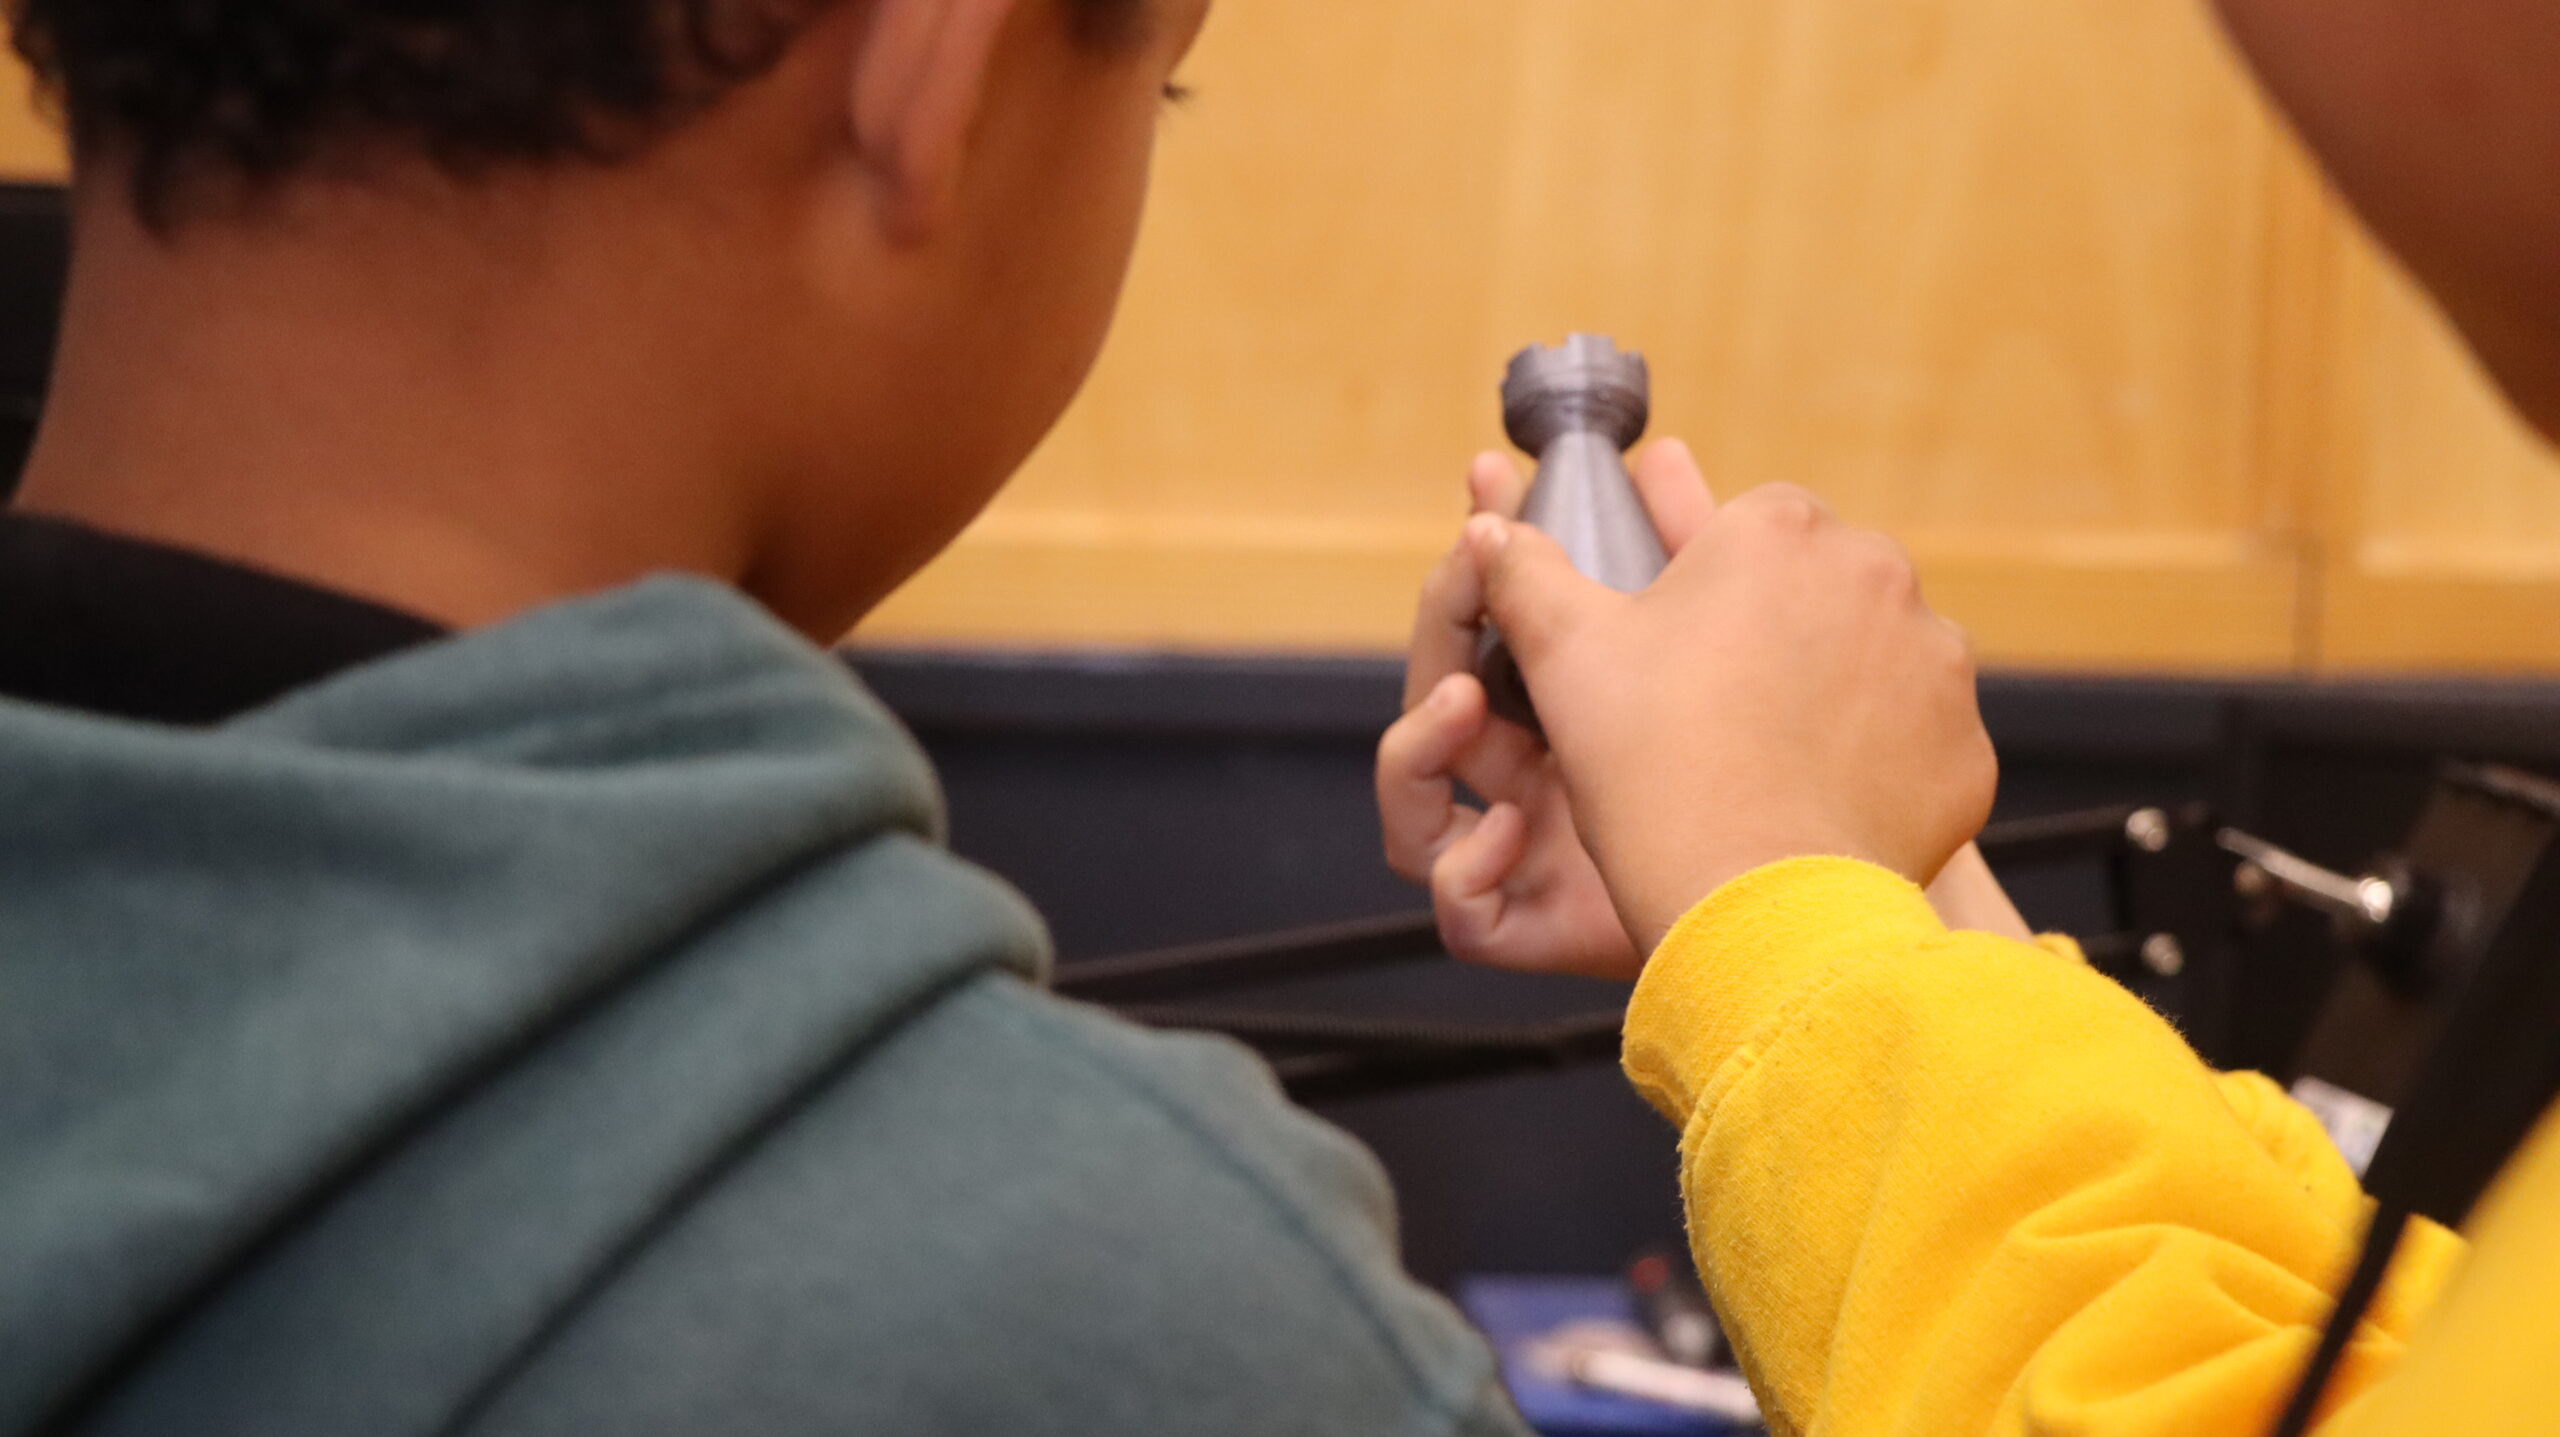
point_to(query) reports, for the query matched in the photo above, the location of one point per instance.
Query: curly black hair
(246, 92)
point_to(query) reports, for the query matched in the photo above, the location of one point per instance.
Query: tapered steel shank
(1579, 407)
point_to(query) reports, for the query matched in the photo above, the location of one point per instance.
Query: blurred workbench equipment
(2467, 904)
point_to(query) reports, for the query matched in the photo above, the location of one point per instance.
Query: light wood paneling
(2443, 545)
(1988, 272)
(30, 144)
(2035, 285)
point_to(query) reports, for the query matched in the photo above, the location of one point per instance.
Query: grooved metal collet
(1579, 407)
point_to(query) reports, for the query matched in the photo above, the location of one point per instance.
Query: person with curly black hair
(469, 962)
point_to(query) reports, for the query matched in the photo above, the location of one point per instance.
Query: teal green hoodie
(578, 1027)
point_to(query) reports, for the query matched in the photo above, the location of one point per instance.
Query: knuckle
(1886, 567)
(1957, 646)
(1410, 765)
(1463, 929)
(1408, 851)
(1785, 509)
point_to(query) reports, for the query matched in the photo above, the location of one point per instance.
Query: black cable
(2495, 1071)
(1415, 937)
(2381, 1240)
(1324, 1030)
(1321, 1058)
(1315, 1078)
(1338, 1075)
(1260, 958)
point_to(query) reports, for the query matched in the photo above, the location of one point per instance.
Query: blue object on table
(1516, 1311)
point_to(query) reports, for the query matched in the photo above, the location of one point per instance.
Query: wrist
(1968, 896)
(1657, 895)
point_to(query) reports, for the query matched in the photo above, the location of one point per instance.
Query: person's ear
(916, 88)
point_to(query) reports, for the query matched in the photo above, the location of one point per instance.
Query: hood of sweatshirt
(648, 856)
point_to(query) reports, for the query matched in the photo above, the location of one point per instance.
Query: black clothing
(130, 629)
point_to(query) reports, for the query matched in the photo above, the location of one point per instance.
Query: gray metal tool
(1579, 407)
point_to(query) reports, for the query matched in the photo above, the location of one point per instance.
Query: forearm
(1943, 1182)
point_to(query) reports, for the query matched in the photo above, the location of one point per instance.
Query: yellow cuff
(1733, 966)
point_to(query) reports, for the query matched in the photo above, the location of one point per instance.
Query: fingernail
(1445, 694)
(1487, 535)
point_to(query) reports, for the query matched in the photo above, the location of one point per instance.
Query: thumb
(1674, 490)
(1532, 592)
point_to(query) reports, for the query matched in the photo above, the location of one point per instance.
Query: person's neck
(462, 421)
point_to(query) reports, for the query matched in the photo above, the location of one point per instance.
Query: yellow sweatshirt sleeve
(1941, 1182)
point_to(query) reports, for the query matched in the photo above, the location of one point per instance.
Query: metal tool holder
(1578, 407)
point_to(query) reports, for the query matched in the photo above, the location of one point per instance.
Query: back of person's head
(255, 90)
(195, 95)
(2440, 120)
(875, 243)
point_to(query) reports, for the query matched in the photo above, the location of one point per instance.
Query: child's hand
(1782, 691)
(1512, 884)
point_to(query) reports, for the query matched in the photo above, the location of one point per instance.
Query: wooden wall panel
(30, 145)
(1985, 271)
(2035, 284)
(2443, 547)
